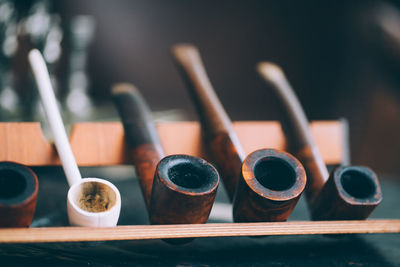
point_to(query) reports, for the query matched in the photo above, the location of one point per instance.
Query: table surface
(317, 250)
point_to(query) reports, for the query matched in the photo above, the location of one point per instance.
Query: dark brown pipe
(254, 199)
(18, 194)
(350, 192)
(184, 190)
(219, 138)
(178, 188)
(140, 134)
(269, 187)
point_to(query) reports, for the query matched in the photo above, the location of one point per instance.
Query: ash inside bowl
(94, 197)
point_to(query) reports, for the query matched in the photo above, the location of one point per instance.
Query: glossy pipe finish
(351, 193)
(296, 129)
(270, 185)
(253, 193)
(140, 134)
(177, 188)
(18, 194)
(184, 190)
(344, 194)
(219, 138)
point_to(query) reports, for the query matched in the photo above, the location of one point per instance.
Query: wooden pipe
(269, 187)
(218, 135)
(265, 185)
(349, 192)
(178, 189)
(18, 194)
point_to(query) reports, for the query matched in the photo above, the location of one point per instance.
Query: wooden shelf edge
(103, 144)
(142, 232)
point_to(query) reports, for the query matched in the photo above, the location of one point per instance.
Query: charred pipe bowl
(18, 194)
(351, 193)
(271, 184)
(184, 190)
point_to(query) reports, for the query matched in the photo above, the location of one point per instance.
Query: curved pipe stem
(178, 188)
(140, 134)
(218, 135)
(45, 88)
(298, 120)
(350, 192)
(250, 181)
(78, 214)
(210, 110)
(297, 130)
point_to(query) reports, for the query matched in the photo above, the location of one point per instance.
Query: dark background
(342, 58)
(337, 55)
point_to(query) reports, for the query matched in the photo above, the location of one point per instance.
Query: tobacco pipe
(91, 202)
(177, 189)
(349, 192)
(18, 194)
(265, 185)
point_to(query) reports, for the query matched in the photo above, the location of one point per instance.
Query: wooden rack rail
(102, 144)
(139, 232)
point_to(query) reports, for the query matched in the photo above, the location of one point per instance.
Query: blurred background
(342, 58)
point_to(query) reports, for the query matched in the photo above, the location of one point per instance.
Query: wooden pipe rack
(103, 144)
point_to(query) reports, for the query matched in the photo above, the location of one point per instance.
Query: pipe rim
(249, 174)
(31, 184)
(200, 167)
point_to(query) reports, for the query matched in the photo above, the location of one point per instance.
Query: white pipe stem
(42, 78)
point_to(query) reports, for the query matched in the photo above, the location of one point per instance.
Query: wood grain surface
(75, 234)
(102, 143)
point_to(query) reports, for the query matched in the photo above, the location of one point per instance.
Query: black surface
(315, 250)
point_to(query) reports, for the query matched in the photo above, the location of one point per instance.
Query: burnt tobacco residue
(94, 197)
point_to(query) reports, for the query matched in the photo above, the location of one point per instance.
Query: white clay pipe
(91, 202)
